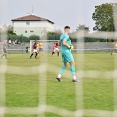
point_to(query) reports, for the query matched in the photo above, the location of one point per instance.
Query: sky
(61, 12)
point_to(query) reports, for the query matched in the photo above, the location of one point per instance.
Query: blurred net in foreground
(42, 106)
(42, 69)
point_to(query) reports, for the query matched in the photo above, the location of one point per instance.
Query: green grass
(22, 90)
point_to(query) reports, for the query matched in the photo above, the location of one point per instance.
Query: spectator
(9, 41)
(5, 52)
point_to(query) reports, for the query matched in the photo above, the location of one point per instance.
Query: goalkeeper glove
(71, 47)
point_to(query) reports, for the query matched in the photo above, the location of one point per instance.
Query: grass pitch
(22, 90)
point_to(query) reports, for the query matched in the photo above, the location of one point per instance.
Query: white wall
(50, 25)
(36, 26)
(33, 24)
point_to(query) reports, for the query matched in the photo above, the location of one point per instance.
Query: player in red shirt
(55, 48)
(35, 49)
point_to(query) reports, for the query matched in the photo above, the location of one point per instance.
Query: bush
(23, 38)
(53, 35)
(18, 37)
(12, 37)
(34, 37)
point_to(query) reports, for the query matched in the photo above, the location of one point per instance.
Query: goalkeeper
(67, 57)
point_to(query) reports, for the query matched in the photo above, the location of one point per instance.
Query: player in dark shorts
(57, 49)
(53, 48)
(35, 49)
(5, 52)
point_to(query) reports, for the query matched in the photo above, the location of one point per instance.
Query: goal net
(1, 48)
(29, 89)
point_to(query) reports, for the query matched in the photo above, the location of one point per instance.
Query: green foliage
(80, 28)
(11, 32)
(34, 37)
(7, 29)
(103, 17)
(71, 35)
(12, 37)
(18, 37)
(24, 38)
(87, 39)
(83, 27)
(86, 30)
(54, 35)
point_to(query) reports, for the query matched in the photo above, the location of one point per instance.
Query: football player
(67, 56)
(55, 49)
(35, 49)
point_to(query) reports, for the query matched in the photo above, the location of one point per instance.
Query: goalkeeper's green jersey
(64, 49)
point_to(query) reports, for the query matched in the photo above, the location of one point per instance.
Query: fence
(86, 47)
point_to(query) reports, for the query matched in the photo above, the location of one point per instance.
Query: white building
(31, 24)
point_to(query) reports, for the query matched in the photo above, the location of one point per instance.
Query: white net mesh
(42, 70)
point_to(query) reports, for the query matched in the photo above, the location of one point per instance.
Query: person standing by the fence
(115, 51)
(5, 52)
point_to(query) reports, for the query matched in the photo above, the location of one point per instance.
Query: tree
(8, 29)
(34, 37)
(103, 17)
(79, 28)
(83, 27)
(54, 35)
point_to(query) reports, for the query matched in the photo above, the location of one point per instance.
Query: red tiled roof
(31, 18)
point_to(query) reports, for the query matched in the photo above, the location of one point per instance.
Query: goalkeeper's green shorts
(67, 58)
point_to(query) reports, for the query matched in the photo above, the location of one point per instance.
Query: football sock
(31, 55)
(72, 70)
(52, 53)
(58, 53)
(36, 55)
(62, 69)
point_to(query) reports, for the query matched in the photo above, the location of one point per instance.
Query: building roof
(31, 17)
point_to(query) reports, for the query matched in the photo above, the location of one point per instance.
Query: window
(32, 31)
(28, 23)
(25, 31)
